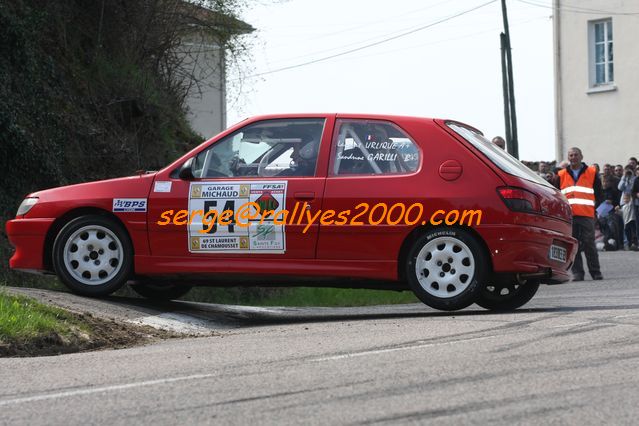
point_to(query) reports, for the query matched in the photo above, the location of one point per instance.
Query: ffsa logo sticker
(129, 204)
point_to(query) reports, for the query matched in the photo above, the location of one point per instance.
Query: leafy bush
(94, 89)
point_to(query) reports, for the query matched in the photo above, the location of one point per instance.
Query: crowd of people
(617, 206)
(604, 202)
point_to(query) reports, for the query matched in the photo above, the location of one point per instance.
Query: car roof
(336, 114)
(350, 115)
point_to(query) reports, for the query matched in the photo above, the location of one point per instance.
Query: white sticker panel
(162, 186)
(129, 205)
(228, 201)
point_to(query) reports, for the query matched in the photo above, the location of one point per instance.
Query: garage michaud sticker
(261, 235)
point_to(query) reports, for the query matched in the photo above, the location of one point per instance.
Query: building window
(601, 53)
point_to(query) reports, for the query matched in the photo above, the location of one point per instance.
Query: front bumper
(28, 237)
(524, 250)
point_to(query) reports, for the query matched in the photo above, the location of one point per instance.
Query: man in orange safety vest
(580, 183)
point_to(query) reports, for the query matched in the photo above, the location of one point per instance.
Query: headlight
(26, 205)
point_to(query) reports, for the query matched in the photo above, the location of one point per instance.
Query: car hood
(130, 186)
(102, 195)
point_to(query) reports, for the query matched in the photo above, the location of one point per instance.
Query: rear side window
(497, 156)
(372, 147)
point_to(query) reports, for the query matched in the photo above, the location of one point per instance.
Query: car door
(372, 179)
(258, 165)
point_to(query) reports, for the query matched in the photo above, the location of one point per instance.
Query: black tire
(161, 292)
(507, 297)
(462, 279)
(108, 249)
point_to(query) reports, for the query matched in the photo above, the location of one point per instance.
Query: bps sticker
(129, 204)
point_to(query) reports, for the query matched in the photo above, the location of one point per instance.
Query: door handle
(304, 195)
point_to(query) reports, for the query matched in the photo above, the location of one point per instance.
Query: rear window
(498, 156)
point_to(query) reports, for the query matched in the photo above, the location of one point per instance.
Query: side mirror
(186, 171)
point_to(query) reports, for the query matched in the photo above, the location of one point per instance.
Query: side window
(264, 149)
(372, 147)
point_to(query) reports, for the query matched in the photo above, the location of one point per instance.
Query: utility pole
(504, 80)
(512, 143)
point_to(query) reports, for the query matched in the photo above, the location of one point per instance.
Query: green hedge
(82, 98)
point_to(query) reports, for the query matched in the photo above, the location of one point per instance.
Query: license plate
(558, 253)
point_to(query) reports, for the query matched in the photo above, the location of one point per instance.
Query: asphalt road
(571, 357)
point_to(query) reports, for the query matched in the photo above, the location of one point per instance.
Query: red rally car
(368, 199)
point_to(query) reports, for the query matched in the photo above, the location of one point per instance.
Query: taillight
(520, 200)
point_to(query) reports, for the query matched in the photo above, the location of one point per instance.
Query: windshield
(498, 156)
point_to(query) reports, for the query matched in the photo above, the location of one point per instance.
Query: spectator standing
(628, 213)
(547, 174)
(543, 169)
(635, 197)
(618, 172)
(611, 191)
(627, 186)
(608, 172)
(500, 142)
(635, 184)
(611, 222)
(580, 183)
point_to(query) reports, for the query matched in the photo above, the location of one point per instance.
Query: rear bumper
(28, 237)
(525, 250)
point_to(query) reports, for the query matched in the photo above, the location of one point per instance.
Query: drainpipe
(559, 125)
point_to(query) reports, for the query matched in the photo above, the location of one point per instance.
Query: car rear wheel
(507, 296)
(446, 268)
(157, 291)
(93, 255)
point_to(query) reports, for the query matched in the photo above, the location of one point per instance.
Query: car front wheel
(93, 255)
(446, 267)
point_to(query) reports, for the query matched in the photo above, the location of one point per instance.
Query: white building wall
(604, 124)
(206, 104)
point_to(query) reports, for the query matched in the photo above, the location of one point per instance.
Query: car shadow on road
(246, 316)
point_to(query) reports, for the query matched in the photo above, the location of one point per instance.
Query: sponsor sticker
(162, 186)
(259, 236)
(129, 205)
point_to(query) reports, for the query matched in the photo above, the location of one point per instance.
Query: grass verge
(29, 328)
(24, 318)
